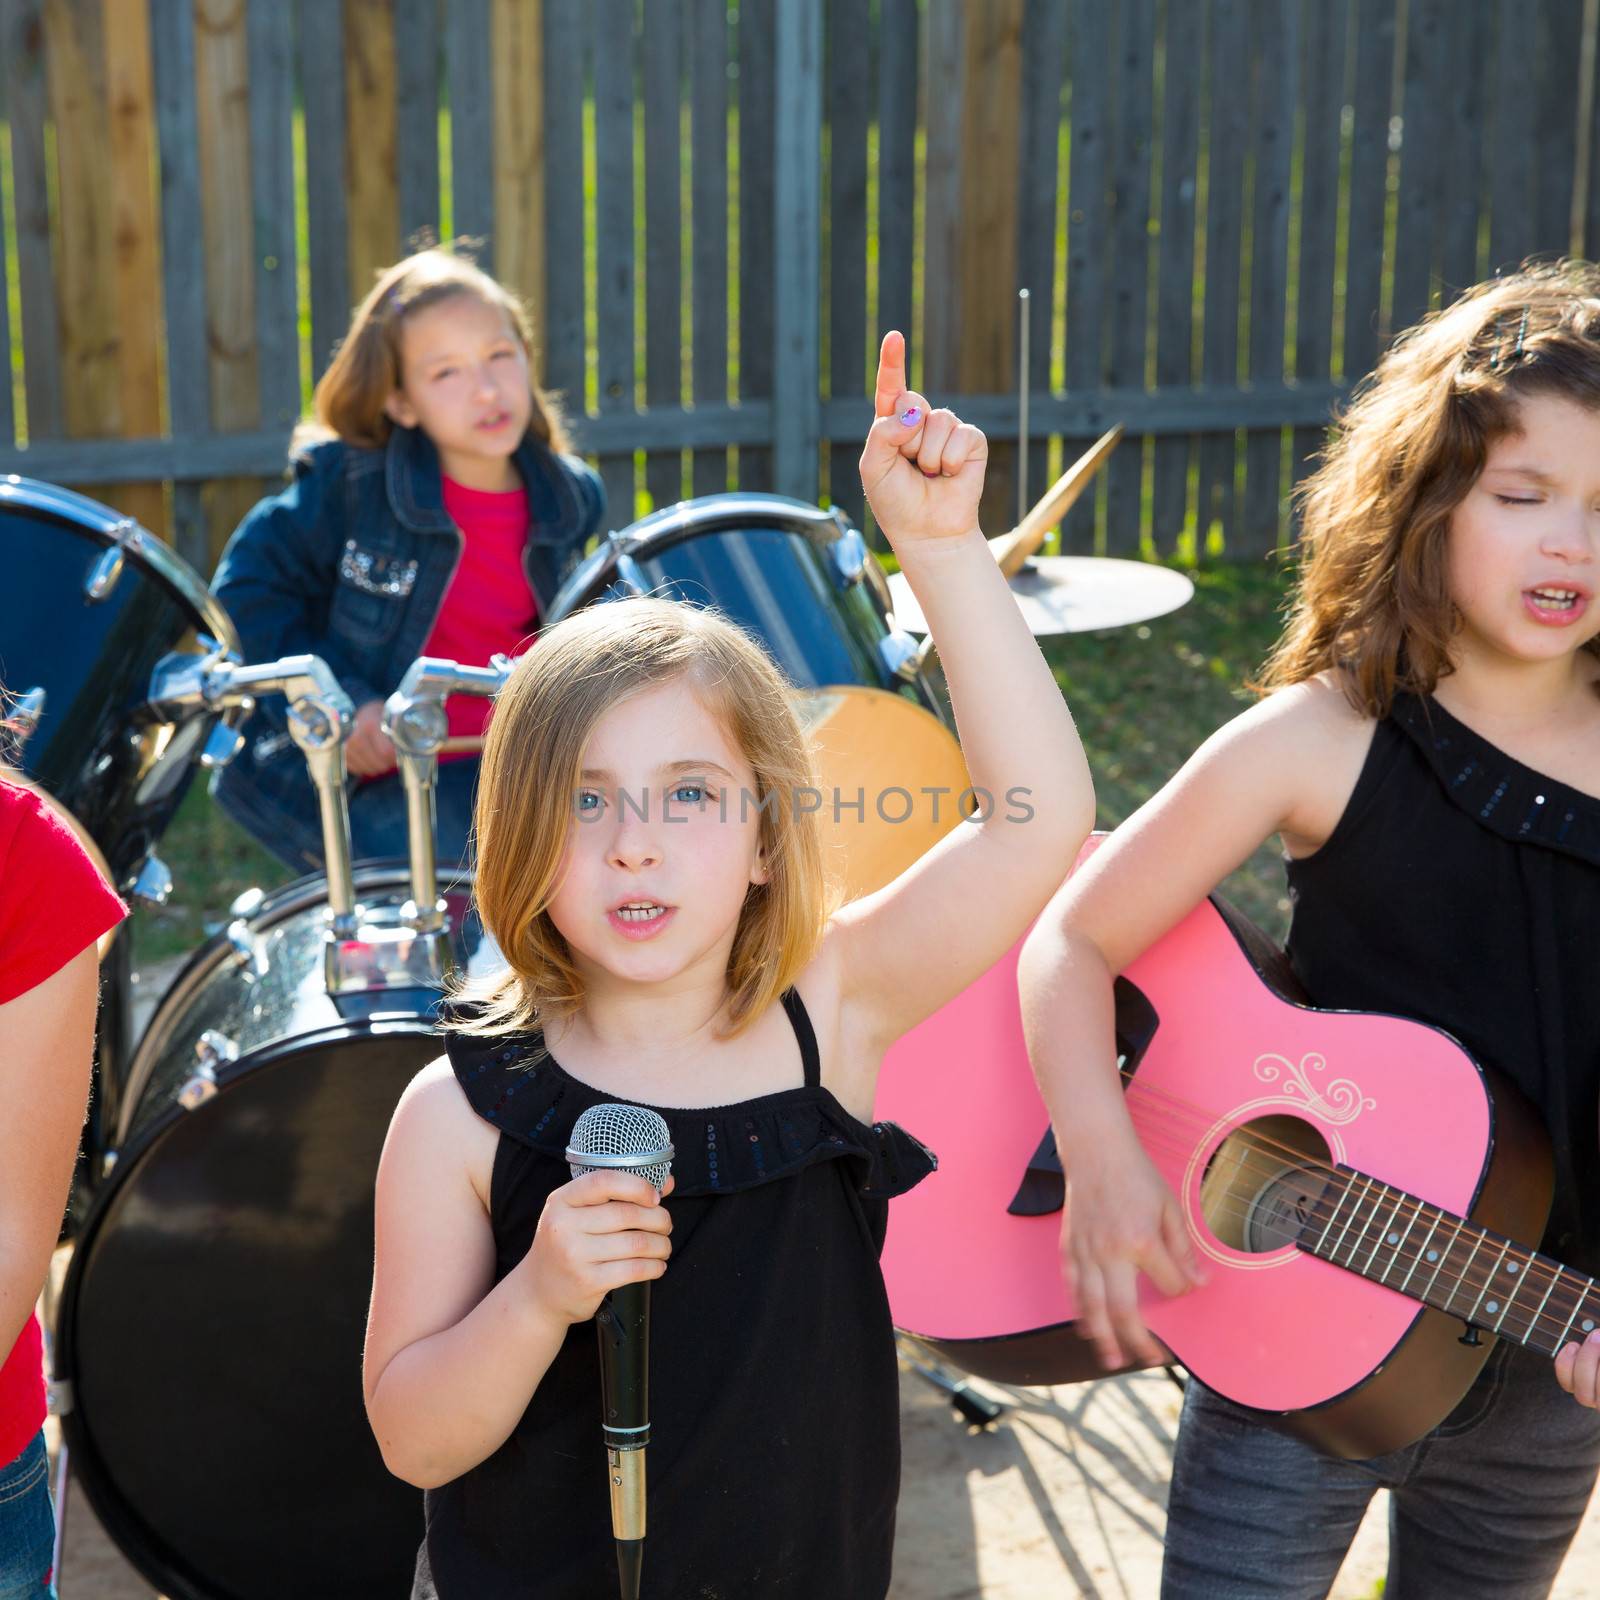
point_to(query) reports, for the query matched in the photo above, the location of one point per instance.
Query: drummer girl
(434, 509)
(661, 903)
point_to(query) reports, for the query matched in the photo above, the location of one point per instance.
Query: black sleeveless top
(1463, 889)
(774, 1457)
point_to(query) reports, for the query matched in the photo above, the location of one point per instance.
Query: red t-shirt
(488, 608)
(53, 904)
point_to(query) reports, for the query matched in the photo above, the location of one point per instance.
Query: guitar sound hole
(1263, 1182)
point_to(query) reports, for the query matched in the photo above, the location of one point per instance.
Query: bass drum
(210, 1328)
(799, 578)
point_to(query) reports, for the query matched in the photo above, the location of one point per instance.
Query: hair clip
(1522, 332)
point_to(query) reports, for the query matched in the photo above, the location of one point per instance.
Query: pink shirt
(488, 608)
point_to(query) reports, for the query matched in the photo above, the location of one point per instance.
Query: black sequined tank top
(1463, 889)
(774, 1458)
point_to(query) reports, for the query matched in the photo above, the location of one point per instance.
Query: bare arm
(1284, 766)
(44, 1067)
(915, 944)
(452, 1358)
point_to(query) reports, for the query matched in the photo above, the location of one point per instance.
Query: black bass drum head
(211, 1329)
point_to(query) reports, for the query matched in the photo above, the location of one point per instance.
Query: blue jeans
(27, 1526)
(377, 819)
(1485, 1505)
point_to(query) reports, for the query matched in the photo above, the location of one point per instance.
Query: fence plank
(614, 274)
(897, 164)
(565, 58)
(1228, 67)
(1326, 23)
(319, 31)
(1375, 34)
(986, 336)
(1462, 192)
(797, 115)
(372, 195)
(944, 79)
(1557, 53)
(1429, 61)
(1513, 226)
(468, 34)
(416, 75)
(36, 281)
(75, 72)
(182, 256)
(1130, 236)
(1591, 219)
(847, 92)
(1088, 226)
(227, 224)
(757, 86)
(518, 144)
(272, 187)
(135, 233)
(661, 68)
(1044, 48)
(1183, 47)
(1274, 32)
(708, 86)
(8, 420)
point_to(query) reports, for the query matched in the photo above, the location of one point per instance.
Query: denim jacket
(351, 563)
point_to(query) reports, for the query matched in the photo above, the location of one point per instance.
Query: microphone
(613, 1138)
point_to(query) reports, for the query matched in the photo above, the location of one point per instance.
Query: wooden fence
(1220, 209)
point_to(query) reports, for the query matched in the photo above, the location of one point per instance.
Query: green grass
(1143, 698)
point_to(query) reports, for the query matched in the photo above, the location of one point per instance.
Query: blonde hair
(532, 759)
(366, 368)
(1372, 602)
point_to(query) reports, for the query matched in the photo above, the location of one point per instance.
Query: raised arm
(915, 944)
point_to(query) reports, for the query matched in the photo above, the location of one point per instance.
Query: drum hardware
(415, 719)
(901, 655)
(849, 555)
(107, 568)
(253, 959)
(210, 1051)
(154, 884)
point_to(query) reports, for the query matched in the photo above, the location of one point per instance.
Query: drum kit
(206, 1337)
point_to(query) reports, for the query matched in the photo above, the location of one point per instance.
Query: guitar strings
(1544, 1270)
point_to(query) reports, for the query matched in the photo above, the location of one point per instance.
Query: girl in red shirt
(53, 907)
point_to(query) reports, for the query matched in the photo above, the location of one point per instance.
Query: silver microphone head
(613, 1138)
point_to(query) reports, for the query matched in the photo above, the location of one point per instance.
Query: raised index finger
(891, 373)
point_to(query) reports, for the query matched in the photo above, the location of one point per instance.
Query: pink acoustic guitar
(1350, 1181)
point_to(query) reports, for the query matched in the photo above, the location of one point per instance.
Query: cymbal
(1074, 594)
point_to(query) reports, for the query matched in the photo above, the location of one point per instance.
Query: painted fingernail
(911, 416)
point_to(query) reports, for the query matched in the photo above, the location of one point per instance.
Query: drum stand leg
(977, 1409)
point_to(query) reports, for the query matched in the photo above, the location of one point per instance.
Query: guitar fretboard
(1448, 1263)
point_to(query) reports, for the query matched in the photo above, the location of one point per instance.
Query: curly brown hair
(1371, 602)
(365, 370)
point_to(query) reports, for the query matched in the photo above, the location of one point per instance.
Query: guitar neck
(1455, 1266)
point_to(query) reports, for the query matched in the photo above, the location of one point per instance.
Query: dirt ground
(1065, 1497)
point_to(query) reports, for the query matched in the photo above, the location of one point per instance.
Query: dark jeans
(377, 820)
(1485, 1505)
(27, 1526)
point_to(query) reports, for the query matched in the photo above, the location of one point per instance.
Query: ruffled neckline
(1495, 789)
(532, 1099)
